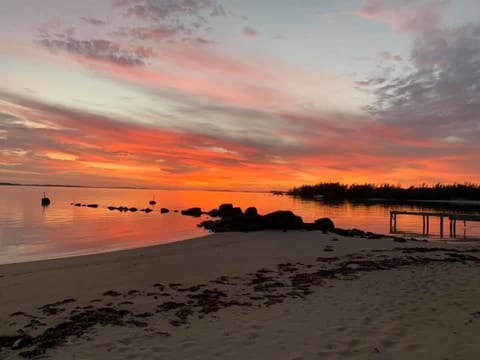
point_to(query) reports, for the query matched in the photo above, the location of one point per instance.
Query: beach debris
(76, 326)
(144, 315)
(126, 303)
(265, 283)
(285, 281)
(19, 313)
(328, 248)
(170, 305)
(54, 308)
(159, 286)
(181, 316)
(286, 267)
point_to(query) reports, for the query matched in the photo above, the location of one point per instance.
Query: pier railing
(452, 218)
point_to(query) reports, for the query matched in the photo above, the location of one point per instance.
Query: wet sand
(265, 295)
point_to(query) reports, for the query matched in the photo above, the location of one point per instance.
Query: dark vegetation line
(334, 191)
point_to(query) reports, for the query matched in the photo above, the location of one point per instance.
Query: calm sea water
(30, 232)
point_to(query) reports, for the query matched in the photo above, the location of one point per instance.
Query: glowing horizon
(211, 94)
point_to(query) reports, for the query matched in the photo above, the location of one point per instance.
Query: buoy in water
(152, 202)
(45, 200)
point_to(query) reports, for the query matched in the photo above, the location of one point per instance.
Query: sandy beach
(262, 295)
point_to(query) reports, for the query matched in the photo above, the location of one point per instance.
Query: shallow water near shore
(30, 232)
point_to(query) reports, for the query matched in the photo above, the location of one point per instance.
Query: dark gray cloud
(440, 97)
(171, 20)
(161, 10)
(99, 49)
(93, 21)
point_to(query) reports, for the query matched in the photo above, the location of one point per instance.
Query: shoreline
(105, 252)
(223, 280)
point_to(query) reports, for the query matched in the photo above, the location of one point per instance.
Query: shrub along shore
(335, 191)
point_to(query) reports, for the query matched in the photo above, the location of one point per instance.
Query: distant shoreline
(129, 188)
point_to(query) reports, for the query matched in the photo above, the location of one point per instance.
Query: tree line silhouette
(335, 191)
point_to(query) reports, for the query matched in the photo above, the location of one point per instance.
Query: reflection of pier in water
(453, 218)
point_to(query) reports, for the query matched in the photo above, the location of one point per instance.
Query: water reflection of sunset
(32, 232)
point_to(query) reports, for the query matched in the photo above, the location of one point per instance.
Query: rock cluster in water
(235, 219)
(85, 205)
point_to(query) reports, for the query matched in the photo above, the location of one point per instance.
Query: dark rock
(195, 212)
(349, 232)
(282, 219)
(148, 210)
(164, 211)
(357, 232)
(251, 211)
(228, 211)
(111, 208)
(225, 210)
(78, 204)
(252, 223)
(133, 209)
(93, 206)
(213, 213)
(342, 232)
(207, 224)
(236, 212)
(324, 224)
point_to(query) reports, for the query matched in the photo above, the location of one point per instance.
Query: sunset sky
(246, 94)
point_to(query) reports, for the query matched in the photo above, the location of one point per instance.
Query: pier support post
(441, 226)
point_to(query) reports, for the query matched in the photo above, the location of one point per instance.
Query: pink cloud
(407, 15)
(387, 55)
(249, 31)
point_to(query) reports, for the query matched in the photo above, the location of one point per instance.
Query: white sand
(415, 312)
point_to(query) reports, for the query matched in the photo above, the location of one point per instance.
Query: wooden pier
(453, 218)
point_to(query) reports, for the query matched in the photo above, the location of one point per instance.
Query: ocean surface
(30, 232)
